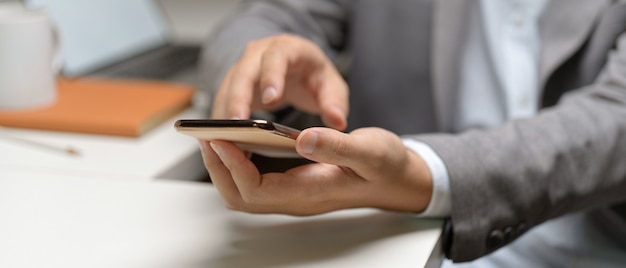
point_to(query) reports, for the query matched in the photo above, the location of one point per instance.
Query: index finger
(334, 101)
(236, 95)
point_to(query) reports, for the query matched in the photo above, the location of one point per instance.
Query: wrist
(419, 182)
(409, 190)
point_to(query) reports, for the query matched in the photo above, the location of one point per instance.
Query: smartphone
(257, 136)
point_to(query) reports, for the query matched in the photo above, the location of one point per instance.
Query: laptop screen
(96, 33)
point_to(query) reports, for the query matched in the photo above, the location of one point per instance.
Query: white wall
(193, 20)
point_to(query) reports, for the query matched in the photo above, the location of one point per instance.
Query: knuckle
(286, 42)
(377, 152)
(247, 198)
(231, 201)
(241, 203)
(272, 52)
(377, 160)
(378, 155)
(284, 37)
(339, 148)
(248, 201)
(250, 198)
(232, 206)
(253, 45)
(240, 72)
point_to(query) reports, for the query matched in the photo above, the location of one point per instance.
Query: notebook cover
(105, 106)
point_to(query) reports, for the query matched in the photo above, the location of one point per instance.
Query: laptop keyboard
(161, 63)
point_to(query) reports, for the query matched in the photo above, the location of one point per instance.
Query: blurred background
(146, 39)
(191, 20)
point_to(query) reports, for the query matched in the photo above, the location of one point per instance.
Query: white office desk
(71, 221)
(105, 209)
(161, 153)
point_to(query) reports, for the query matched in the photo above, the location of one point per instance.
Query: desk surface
(104, 209)
(159, 153)
(71, 221)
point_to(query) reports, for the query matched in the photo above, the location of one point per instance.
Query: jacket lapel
(563, 34)
(448, 35)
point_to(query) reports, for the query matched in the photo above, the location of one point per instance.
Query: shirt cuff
(440, 204)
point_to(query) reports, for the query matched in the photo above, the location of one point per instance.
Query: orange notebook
(105, 106)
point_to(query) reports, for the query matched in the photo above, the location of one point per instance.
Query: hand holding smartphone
(257, 136)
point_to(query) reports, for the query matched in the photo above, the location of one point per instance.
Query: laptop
(118, 38)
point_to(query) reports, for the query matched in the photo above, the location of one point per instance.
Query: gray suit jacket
(403, 77)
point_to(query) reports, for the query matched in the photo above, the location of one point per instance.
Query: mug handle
(57, 58)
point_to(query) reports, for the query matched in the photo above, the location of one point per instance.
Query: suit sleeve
(571, 157)
(321, 21)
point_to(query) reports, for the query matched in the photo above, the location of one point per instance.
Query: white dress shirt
(498, 79)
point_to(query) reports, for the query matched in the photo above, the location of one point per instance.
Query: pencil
(4, 133)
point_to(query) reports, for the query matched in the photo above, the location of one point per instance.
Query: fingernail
(336, 118)
(308, 142)
(339, 112)
(269, 94)
(235, 116)
(217, 149)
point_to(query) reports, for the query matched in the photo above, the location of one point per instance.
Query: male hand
(369, 167)
(283, 70)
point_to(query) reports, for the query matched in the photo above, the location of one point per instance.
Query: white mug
(29, 58)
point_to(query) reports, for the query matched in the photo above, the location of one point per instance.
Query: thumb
(327, 145)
